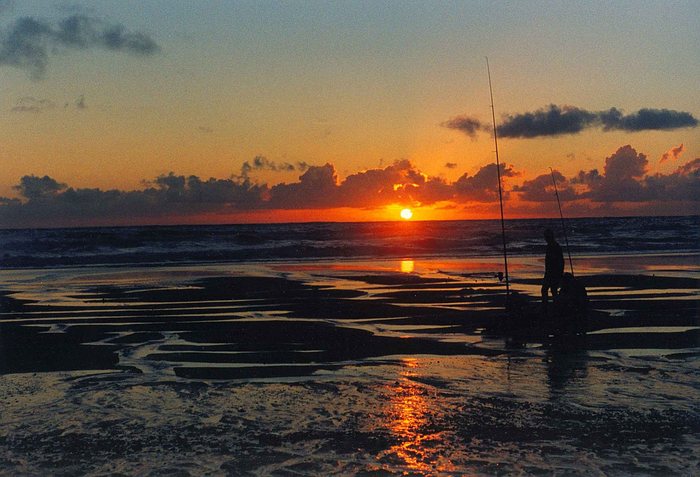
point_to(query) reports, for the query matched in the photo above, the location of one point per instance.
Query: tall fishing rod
(563, 226)
(498, 173)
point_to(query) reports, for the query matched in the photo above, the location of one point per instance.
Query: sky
(165, 112)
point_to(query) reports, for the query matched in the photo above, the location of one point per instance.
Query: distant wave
(40, 248)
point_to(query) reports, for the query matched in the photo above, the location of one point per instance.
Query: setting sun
(406, 214)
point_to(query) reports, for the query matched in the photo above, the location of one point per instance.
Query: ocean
(155, 245)
(345, 349)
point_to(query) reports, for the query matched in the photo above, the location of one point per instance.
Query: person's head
(548, 235)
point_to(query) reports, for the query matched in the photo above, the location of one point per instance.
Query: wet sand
(374, 368)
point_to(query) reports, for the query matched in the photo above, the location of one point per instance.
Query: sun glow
(406, 214)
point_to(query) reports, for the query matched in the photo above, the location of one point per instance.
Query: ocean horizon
(157, 244)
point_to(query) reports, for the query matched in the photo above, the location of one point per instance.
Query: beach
(349, 238)
(345, 367)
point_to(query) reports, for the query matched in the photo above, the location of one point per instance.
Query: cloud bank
(46, 200)
(556, 120)
(30, 42)
(622, 187)
(624, 179)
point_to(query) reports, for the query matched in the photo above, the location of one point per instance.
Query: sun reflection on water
(408, 417)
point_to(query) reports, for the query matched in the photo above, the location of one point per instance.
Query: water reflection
(407, 266)
(565, 368)
(409, 417)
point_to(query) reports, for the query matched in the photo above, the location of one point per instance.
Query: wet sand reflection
(419, 443)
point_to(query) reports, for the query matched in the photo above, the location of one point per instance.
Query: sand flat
(290, 369)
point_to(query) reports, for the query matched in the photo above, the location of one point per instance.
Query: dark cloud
(195, 193)
(556, 120)
(681, 185)
(624, 180)
(673, 153)
(398, 183)
(262, 163)
(483, 186)
(541, 188)
(468, 125)
(317, 189)
(550, 121)
(401, 182)
(691, 168)
(621, 180)
(29, 42)
(33, 187)
(451, 165)
(30, 104)
(46, 201)
(625, 164)
(646, 119)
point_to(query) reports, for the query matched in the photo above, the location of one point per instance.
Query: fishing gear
(563, 226)
(500, 193)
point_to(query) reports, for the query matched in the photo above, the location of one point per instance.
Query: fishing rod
(498, 173)
(563, 226)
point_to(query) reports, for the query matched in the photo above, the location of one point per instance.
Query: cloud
(646, 119)
(673, 153)
(47, 201)
(317, 188)
(320, 187)
(621, 180)
(30, 104)
(451, 165)
(541, 188)
(624, 180)
(556, 120)
(622, 187)
(262, 163)
(401, 182)
(483, 186)
(550, 121)
(691, 168)
(468, 125)
(33, 187)
(29, 42)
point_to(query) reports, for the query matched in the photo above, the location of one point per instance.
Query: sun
(406, 214)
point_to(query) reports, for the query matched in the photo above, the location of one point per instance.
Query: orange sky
(90, 122)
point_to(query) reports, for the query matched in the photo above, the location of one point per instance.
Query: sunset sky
(255, 111)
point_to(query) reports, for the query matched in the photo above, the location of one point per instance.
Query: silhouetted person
(553, 268)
